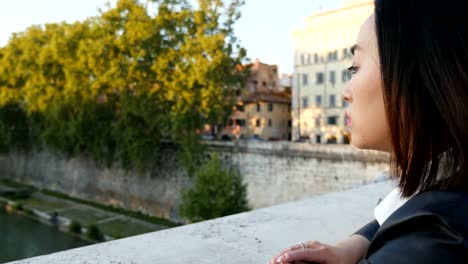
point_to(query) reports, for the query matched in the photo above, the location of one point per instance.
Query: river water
(21, 237)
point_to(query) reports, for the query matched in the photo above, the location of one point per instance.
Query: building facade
(321, 58)
(264, 116)
(263, 109)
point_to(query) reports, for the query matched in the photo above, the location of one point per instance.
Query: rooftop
(350, 4)
(269, 97)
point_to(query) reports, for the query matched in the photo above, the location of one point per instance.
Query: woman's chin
(360, 143)
(367, 146)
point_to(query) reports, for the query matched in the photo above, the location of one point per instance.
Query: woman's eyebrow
(354, 48)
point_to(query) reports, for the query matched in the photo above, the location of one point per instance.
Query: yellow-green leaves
(114, 85)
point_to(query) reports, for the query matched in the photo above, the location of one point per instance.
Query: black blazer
(431, 227)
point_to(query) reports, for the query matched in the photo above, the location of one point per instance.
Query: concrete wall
(252, 237)
(274, 173)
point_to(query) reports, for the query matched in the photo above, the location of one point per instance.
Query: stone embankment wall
(274, 173)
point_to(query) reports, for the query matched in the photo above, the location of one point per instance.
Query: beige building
(263, 110)
(263, 78)
(321, 58)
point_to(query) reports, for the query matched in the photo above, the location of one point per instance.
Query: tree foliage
(115, 85)
(216, 192)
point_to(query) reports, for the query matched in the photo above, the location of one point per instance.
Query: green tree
(115, 85)
(216, 192)
(14, 128)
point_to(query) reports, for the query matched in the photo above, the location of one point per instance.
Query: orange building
(263, 109)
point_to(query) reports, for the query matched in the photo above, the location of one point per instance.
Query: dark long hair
(423, 49)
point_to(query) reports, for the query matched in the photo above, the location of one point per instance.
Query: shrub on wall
(216, 192)
(75, 227)
(94, 233)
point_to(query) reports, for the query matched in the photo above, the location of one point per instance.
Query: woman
(409, 97)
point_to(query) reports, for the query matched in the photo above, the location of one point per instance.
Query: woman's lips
(348, 120)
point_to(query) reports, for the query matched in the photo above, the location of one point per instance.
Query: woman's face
(366, 112)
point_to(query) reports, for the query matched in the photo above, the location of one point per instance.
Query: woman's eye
(353, 69)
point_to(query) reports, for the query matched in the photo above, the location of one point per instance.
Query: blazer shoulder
(418, 238)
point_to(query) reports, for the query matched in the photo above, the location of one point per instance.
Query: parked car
(226, 138)
(207, 137)
(301, 140)
(255, 138)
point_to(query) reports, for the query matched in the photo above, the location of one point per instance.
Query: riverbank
(76, 216)
(274, 172)
(23, 237)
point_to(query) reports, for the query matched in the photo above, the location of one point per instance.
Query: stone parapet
(251, 237)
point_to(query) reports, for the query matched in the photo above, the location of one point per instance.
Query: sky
(265, 28)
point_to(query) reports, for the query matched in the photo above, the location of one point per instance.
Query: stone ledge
(336, 152)
(250, 237)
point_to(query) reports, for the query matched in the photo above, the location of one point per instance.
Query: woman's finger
(310, 254)
(291, 248)
(309, 244)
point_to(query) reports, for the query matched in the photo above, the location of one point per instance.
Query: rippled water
(21, 237)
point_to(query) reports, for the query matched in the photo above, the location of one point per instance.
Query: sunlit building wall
(263, 109)
(321, 58)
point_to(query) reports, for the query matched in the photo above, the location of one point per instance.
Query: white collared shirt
(389, 205)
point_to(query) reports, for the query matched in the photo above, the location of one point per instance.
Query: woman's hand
(350, 251)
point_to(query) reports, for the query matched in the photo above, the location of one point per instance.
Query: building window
(316, 58)
(309, 59)
(335, 55)
(305, 79)
(270, 123)
(259, 107)
(344, 103)
(270, 107)
(319, 77)
(289, 123)
(318, 101)
(332, 140)
(344, 54)
(329, 56)
(305, 102)
(257, 123)
(240, 108)
(332, 101)
(318, 139)
(302, 59)
(240, 122)
(332, 120)
(348, 53)
(332, 77)
(318, 122)
(344, 76)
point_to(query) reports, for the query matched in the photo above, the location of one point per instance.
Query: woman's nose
(346, 94)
